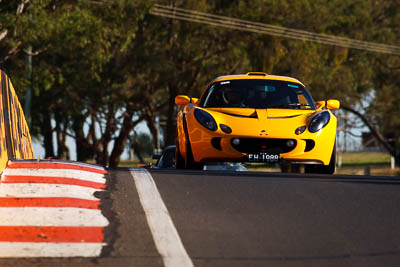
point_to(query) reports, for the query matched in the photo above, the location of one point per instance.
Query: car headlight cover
(300, 130)
(225, 128)
(319, 121)
(205, 119)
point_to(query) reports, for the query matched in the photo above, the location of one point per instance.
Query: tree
(140, 145)
(101, 67)
(78, 69)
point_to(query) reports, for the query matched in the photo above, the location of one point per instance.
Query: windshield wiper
(289, 105)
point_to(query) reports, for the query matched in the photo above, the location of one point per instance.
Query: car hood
(271, 113)
(253, 122)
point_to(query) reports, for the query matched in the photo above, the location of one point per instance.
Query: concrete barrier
(15, 139)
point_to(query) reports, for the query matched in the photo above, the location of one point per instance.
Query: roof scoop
(256, 74)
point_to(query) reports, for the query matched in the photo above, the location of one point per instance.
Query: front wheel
(179, 160)
(186, 162)
(189, 160)
(287, 167)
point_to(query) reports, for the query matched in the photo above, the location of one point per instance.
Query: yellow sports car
(256, 117)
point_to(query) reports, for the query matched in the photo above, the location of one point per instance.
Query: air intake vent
(256, 74)
(216, 143)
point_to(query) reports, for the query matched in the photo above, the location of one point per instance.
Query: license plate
(263, 157)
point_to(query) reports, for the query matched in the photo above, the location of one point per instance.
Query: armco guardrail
(15, 139)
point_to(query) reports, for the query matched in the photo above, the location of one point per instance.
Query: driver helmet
(232, 95)
(261, 92)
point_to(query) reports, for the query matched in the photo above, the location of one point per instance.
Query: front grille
(310, 144)
(271, 145)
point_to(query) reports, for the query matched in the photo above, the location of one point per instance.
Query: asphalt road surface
(205, 218)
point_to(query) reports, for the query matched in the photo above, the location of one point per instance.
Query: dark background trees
(102, 67)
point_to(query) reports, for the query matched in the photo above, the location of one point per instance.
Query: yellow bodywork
(256, 123)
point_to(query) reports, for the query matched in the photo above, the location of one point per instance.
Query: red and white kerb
(48, 209)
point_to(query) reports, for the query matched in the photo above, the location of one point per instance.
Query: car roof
(257, 76)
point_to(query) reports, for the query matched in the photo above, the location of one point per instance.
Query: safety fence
(15, 139)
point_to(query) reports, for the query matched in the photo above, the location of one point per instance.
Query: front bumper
(209, 146)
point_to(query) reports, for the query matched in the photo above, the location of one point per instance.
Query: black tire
(296, 168)
(287, 167)
(179, 160)
(324, 169)
(188, 160)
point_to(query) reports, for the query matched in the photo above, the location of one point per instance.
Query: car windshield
(257, 94)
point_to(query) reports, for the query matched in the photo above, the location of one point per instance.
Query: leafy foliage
(101, 67)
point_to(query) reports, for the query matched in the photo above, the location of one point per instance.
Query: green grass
(359, 163)
(364, 158)
(376, 170)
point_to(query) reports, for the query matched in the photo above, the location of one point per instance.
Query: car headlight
(319, 121)
(205, 119)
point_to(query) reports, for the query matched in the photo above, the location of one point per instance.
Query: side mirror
(332, 104)
(182, 100)
(194, 100)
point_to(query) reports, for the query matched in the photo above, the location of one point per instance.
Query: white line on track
(28, 249)
(77, 174)
(47, 190)
(40, 216)
(165, 235)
